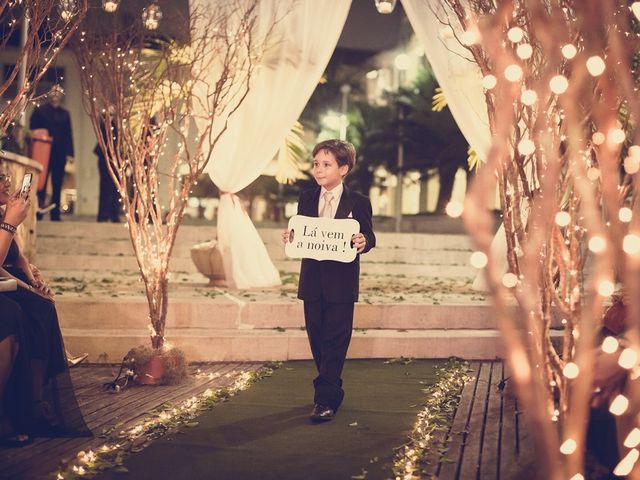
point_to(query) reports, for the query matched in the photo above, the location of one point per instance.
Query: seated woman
(15, 415)
(55, 411)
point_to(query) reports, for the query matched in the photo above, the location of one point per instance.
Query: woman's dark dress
(40, 339)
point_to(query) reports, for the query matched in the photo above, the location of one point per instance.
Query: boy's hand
(285, 236)
(359, 241)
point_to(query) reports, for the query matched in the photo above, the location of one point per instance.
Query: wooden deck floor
(103, 410)
(488, 439)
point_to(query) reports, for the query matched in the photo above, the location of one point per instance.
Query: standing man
(57, 121)
(109, 200)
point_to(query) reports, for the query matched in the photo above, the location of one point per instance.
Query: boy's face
(326, 171)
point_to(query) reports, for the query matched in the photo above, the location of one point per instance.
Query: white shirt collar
(337, 191)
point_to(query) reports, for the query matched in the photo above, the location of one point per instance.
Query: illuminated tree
(143, 94)
(50, 24)
(562, 105)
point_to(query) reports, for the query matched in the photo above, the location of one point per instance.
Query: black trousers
(56, 170)
(108, 204)
(329, 327)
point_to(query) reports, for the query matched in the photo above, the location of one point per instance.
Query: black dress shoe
(322, 413)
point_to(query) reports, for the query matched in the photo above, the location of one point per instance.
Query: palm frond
(439, 102)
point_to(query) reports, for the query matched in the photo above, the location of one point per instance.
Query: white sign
(321, 238)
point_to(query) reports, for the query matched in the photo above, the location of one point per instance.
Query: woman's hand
(37, 291)
(17, 209)
(39, 283)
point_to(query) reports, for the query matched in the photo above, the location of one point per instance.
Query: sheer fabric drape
(460, 78)
(299, 49)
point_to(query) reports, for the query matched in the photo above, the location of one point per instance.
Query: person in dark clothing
(38, 396)
(330, 288)
(109, 200)
(57, 121)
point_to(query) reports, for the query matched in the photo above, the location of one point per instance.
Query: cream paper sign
(321, 238)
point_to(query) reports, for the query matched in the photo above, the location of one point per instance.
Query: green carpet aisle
(264, 433)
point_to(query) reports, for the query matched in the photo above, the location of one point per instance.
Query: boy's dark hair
(344, 152)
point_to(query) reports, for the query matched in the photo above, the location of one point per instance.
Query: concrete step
(109, 345)
(121, 247)
(230, 312)
(57, 262)
(189, 235)
(193, 234)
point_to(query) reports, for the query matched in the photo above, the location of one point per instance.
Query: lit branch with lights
(45, 27)
(560, 85)
(141, 92)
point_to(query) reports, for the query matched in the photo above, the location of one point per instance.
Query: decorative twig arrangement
(143, 94)
(560, 85)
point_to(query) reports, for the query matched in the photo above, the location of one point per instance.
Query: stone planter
(208, 260)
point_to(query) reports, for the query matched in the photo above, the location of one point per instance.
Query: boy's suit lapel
(345, 206)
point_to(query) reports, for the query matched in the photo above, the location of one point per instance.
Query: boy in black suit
(330, 288)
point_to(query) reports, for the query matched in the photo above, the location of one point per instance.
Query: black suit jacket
(58, 121)
(335, 282)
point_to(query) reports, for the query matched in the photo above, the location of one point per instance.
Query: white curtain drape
(461, 81)
(299, 49)
(453, 66)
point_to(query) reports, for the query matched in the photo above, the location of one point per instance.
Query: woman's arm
(21, 284)
(16, 212)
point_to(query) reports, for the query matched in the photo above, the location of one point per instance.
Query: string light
(625, 465)
(470, 36)
(628, 358)
(568, 446)
(528, 97)
(526, 146)
(635, 8)
(597, 244)
(513, 73)
(489, 81)
(631, 244)
(633, 438)
(524, 51)
(509, 280)
(610, 344)
(454, 209)
(569, 51)
(619, 405)
(595, 65)
(631, 165)
(577, 476)
(598, 138)
(616, 136)
(571, 370)
(563, 219)
(559, 84)
(606, 288)
(593, 173)
(479, 259)
(625, 214)
(515, 34)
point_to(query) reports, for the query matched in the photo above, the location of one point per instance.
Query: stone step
(121, 247)
(60, 262)
(228, 312)
(192, 234)
(110, 345)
